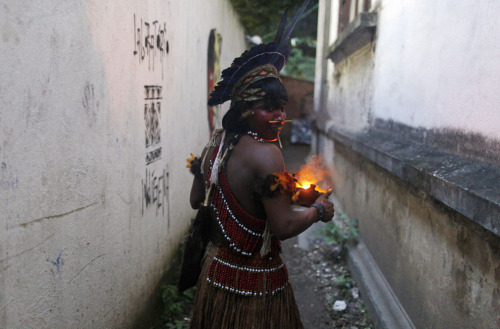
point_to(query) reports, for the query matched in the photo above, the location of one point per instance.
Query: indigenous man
(241, 185)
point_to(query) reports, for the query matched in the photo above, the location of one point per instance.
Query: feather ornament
(275, 53)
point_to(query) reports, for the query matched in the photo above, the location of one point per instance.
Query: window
(349, 9)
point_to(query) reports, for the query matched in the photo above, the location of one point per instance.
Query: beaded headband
(241, 90)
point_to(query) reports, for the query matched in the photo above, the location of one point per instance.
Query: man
(242, 186)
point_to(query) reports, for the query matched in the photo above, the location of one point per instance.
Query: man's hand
(329, 209)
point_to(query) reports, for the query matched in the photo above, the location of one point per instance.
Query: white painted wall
(78, 247)
(437, 65)
(434, 65)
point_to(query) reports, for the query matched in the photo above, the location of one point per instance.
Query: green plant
(344, 284)
(300, 66)
(340, 231)
(176, 305)
(177, 324)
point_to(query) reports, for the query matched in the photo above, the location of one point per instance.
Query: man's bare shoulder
(264, 158)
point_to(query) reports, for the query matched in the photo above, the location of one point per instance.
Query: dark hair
(276, 95)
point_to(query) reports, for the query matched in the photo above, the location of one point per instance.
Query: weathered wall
(428, 77)
(436, 60)
(433, 68)
(349, 99)
(444, 270)
(91, 211)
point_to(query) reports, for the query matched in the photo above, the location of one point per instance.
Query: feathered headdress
(259, 62)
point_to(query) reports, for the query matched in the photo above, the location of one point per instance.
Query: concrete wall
(443, 269)
(434, 60)
(439, 62)
(91, 213)
(430, 71)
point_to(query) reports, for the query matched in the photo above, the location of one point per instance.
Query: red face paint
(259, 122)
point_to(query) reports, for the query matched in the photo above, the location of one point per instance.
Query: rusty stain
(58, 215)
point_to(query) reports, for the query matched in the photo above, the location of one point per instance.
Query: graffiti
(7, 179)
(153, 156)
(152, 115)
(152, 112)
(150, 42)
(58, 263)
(152, 92)
(155, 191)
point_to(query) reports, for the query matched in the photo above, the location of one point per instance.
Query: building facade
(407, 116)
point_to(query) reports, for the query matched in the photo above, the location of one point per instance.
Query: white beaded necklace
(255, 136)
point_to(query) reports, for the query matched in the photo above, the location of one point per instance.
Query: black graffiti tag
(150, 42)
(155, 191)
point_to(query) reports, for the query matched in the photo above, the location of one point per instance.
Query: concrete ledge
(384, 306)
(356, 35)
(469, 187)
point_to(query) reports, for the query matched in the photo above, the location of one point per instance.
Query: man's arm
(284, 221)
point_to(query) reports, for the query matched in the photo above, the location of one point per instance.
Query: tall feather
(295, 19)
(281, 27)
(275, 53)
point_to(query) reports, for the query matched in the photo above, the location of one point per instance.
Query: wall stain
(25, 251)
(90, 104)
(57, 216)
(83, 268)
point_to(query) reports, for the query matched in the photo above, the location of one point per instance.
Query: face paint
(259, 122)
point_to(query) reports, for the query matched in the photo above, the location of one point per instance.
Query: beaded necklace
(255, 136)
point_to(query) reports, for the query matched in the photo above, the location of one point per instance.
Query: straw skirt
(219, 309)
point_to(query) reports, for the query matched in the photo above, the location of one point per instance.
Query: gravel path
(320, 278)
(321, 281)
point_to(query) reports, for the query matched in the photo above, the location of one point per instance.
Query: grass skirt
(219, 309)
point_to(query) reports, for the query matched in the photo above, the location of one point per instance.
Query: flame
(307, 185)
(314, 172)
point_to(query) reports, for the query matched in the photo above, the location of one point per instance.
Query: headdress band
(241, 90)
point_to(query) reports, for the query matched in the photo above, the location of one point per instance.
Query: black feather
(275, 53)
(295, 19)
(281, 27)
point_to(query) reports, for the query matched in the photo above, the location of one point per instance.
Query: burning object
(309, 180)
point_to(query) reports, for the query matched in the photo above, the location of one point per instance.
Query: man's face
(263, 114)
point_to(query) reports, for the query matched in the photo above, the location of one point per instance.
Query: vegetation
(300, 66)
(261, 17)
(340, 231)
(177, 307)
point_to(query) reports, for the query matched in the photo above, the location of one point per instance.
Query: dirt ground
(321, 280)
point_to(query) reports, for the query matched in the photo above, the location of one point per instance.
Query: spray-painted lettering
(155, 191)
(150, 42)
